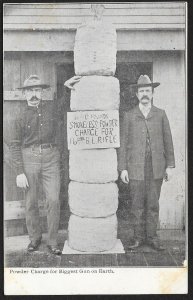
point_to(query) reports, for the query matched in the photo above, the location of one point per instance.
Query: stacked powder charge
(93, 193)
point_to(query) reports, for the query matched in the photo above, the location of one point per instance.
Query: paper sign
(93, 129)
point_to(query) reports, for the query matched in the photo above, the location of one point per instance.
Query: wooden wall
(169, 69)
(69, 15)
(52, 26)
(18, 66)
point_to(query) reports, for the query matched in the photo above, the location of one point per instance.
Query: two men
(145, 158)
(37, 159)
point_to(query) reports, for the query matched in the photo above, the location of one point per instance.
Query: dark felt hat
(33, 81)
(144, 80)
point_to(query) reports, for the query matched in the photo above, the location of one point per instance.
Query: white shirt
(145, 109)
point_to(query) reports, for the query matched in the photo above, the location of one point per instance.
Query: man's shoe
(155, 245)
(33, 246)
(136, 244)
(54, 250)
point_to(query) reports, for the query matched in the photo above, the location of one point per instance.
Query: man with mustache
(36, 157)
(145, 157)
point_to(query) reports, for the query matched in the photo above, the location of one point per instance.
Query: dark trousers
(42, 167)
(145, 203)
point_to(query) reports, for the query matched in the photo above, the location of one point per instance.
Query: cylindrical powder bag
(95, 49)
(93, 165)
(93, 200)
(96, 93)
(92, 234)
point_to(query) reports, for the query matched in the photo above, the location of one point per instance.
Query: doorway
(128, 73)
(63, 73)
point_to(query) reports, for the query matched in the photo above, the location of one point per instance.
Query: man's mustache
(34, 99)
(145, 97)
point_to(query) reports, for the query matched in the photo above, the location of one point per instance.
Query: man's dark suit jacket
(133, 133)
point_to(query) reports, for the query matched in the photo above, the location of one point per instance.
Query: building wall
(70, 15)
(38, 27)
(169, 69)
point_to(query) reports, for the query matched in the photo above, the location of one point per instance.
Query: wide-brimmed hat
(33, 81)
(144, 80)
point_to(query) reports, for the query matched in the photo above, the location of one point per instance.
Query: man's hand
(169, 174)
(124, 176)
(21, 181)
(70, 82)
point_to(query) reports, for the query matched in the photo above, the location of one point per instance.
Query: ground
(174, 255)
